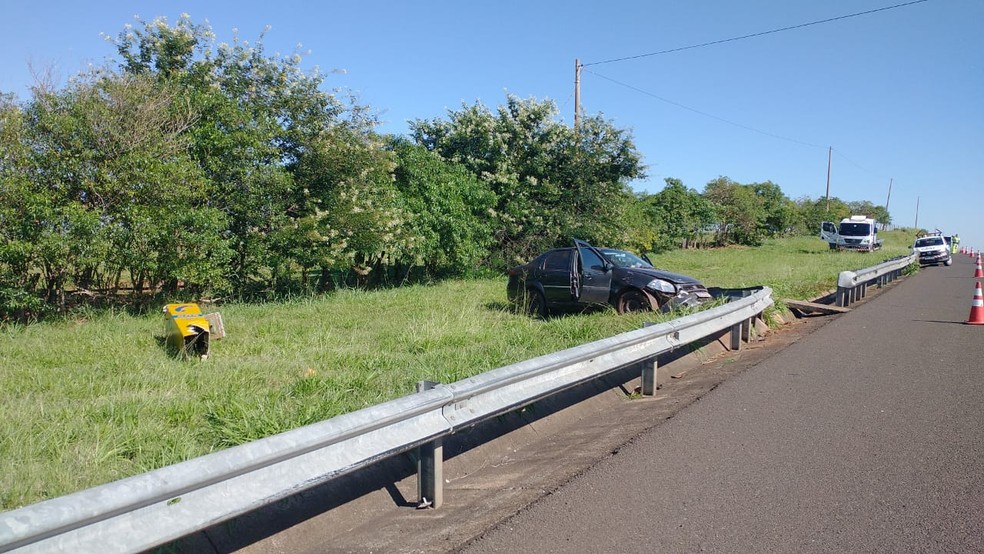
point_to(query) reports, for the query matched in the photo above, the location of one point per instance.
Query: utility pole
(577, 93)
(889, 193)
(917, 214)
(830, 151)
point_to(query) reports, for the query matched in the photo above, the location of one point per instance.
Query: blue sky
(898, 94)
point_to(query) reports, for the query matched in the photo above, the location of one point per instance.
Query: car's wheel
(536, 304)
(633, 301)
(948, 262)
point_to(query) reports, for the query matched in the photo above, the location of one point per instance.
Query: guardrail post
(842, 297)
(649, 384)
(736, 336)
(430, 466)
(649, 367)
(746, 330)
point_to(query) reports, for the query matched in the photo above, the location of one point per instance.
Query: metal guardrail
(853, 285)
(157, 507)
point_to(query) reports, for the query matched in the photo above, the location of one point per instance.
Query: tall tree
(740, 212)
(681, 215)
(551, 182)
(811, 213)
(22, 207)
(110, 155)
(449, 207)
(353, 215)
(865, 207)
(259, 116)
(779, 211)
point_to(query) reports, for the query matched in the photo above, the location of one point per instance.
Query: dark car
(582, 276)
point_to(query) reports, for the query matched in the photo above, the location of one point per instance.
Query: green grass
(799, 268)
(93, 400)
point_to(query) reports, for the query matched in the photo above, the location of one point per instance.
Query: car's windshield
(621, 258)
(855, 229)
(929, 241)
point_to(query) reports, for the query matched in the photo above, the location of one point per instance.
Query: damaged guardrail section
(853, 285)
(154, 508)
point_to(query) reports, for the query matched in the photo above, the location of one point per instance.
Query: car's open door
(591, 279)
(828, 231)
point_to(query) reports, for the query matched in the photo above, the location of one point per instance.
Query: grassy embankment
(90, 401)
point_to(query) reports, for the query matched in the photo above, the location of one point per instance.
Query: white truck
(858, 232)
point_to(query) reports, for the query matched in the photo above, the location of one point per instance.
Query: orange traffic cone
(977, 307)
(979, 272)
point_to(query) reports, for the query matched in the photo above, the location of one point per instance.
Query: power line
(855, 164)
(753, 35)
(729, 122)
(705, 114)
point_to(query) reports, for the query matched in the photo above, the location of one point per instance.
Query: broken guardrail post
(430, 466)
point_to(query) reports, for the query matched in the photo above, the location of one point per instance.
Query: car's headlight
(662, 286)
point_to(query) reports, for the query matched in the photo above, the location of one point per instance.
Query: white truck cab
(858, 232)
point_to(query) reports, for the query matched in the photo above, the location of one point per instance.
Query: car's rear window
(558, 259)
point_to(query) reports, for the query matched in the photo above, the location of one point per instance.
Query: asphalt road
(865, 436)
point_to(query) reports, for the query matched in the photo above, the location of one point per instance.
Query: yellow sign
(186, 330)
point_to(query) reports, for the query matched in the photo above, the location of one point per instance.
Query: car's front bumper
(684, 298)
(933, 257)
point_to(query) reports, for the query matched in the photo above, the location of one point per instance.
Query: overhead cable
(753, 35)
(705, 114)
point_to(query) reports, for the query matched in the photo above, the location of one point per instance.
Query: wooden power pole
(830, 151)
(577, 93)
(917, 214)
